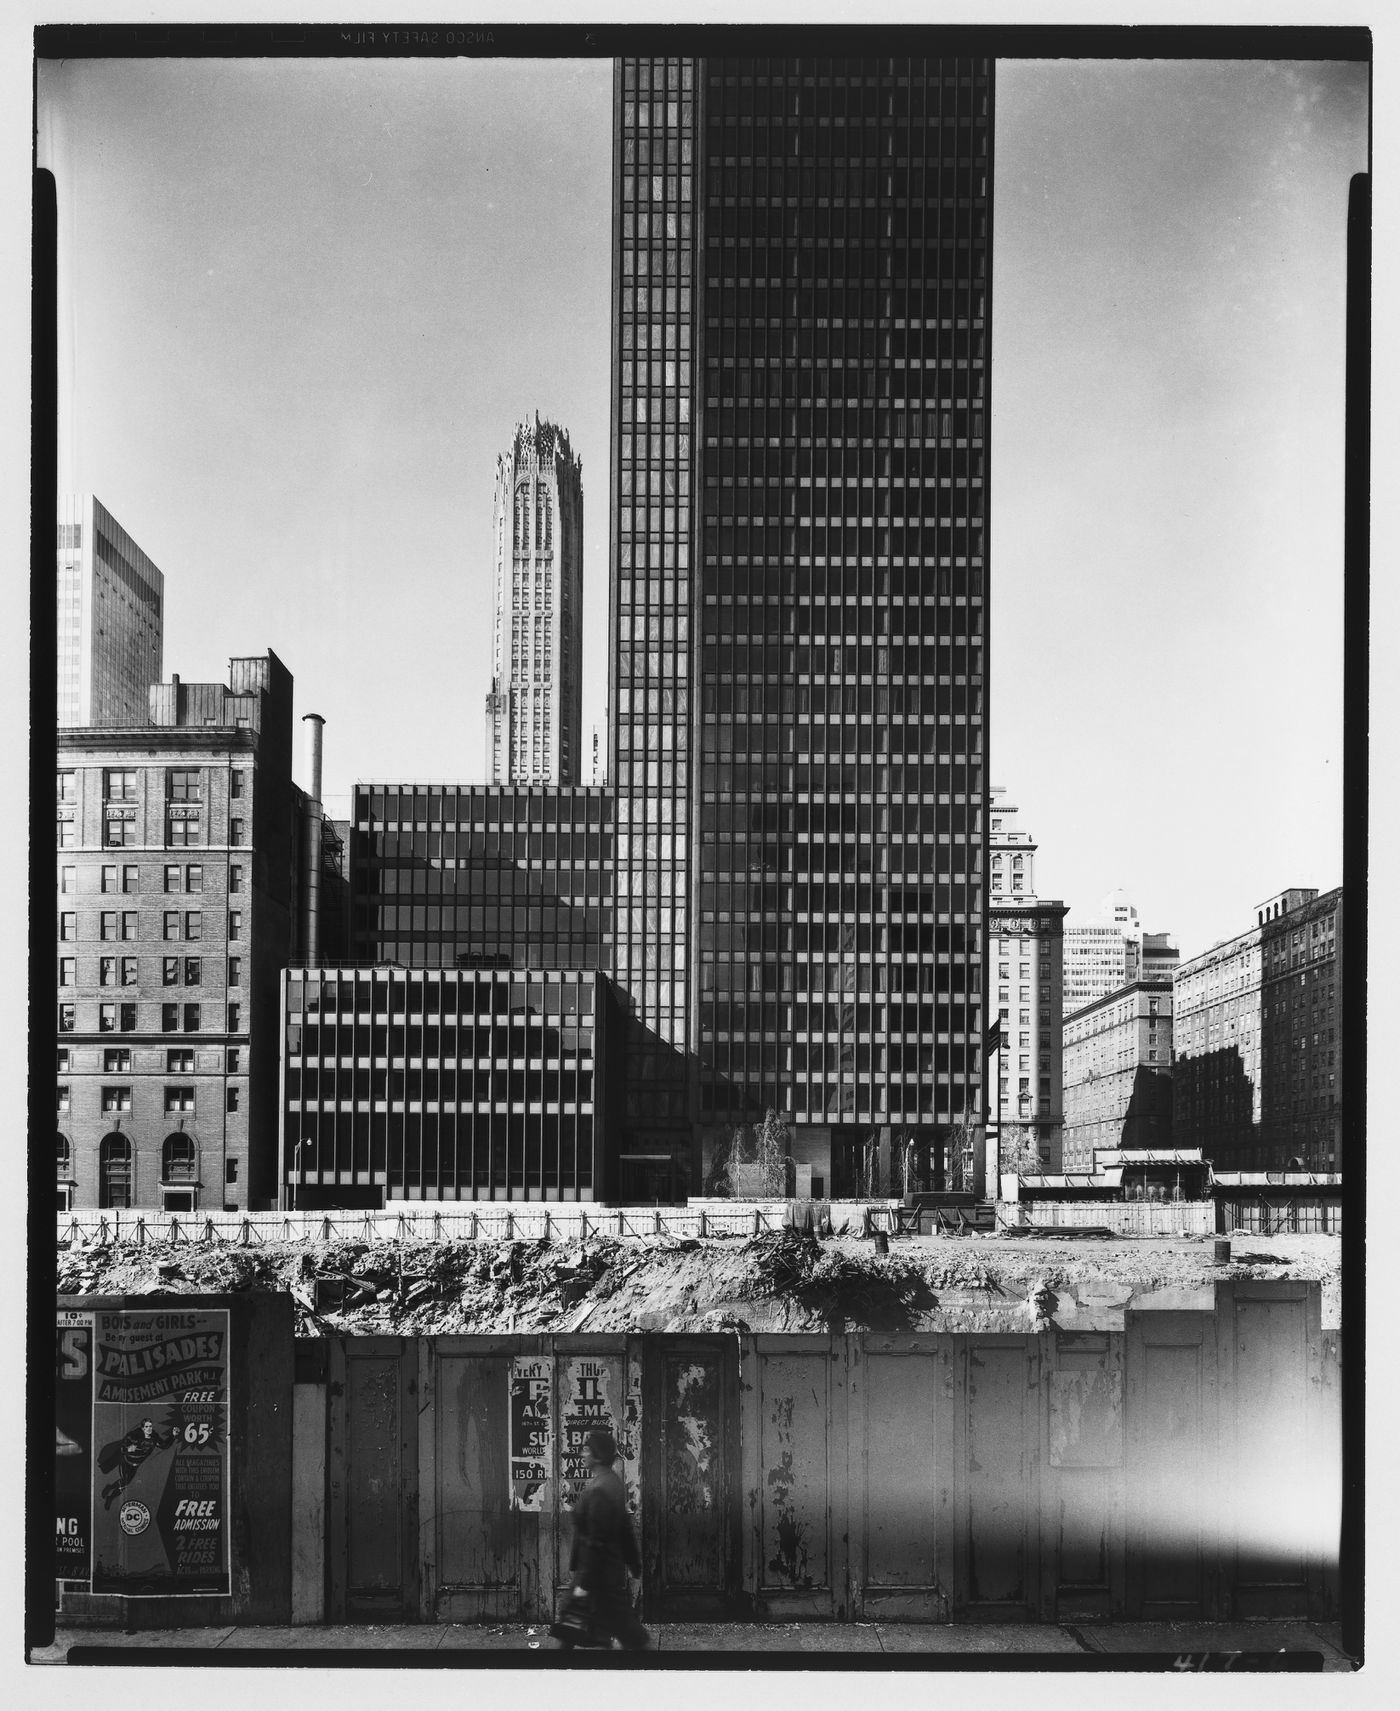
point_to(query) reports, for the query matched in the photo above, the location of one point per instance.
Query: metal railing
(487, 1221)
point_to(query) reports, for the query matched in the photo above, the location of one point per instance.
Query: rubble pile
(795, 1281)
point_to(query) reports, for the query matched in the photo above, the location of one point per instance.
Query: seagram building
(801, 299)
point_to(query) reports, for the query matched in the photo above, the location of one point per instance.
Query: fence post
(510, 1226)
(704, 1223)
(583, 1226)
(548, 1226)
(475, 1226)
(621, 1227)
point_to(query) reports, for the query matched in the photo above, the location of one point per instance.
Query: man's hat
(602, 1447)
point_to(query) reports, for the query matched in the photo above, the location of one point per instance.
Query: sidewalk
(1043, 1645)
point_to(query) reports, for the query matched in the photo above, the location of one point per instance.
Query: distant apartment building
(1159, 956)
(1259, 1040)
(1118, 1072)
(111, 620)
(176, 891)
(1026, 960)
(534, 732)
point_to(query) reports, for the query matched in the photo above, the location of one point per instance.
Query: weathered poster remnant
(629, 1440)
(159, 1437)
(588, 1402)
(531, 1430)
(73, 1447)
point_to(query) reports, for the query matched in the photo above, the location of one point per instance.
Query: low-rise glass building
(444, 1084)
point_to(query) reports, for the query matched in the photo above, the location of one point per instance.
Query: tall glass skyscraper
(801, 308)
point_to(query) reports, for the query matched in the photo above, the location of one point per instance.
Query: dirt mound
(789, 1282)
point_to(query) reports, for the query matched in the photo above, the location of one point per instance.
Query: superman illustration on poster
(159, 1453)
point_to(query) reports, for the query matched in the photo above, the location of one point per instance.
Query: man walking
(605, 1548)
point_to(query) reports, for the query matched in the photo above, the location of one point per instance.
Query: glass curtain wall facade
(441, 1084)
(470, 876)
(840, 595)
(654, 317)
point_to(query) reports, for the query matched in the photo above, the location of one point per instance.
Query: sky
(308, 301)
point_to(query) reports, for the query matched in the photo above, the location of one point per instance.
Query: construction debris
(794, 1281)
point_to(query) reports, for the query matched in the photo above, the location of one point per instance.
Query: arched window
(65, 1157)
(522, 516)
(177, 1159)
(114, 1171)
(543, 516)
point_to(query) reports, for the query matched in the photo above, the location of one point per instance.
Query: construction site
(782, 1281)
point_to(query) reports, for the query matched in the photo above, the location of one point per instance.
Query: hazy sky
(310, 300)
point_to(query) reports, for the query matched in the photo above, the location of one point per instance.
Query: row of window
(118, 1098)
(125, 925)
(125, 971)
(175, 878)
(184, 831)
(174, 1018)
(119, 784)
(179, 1060)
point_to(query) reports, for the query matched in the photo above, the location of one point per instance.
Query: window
(107, 924)
(127, 1014)
(67, 925)
(177, 1159)
(231, 1060)
(231, 1099)
(230, 1170)
(116, 1098)
(194, 923)
(179, 1060)
(235, 923)
(234, 1018)
(179, 1099)
(67, 785)
(191, 971)
(235, 879)
(63, 1060)
(67, 834)
(173, 875)
(109, 877)
(116, 1061)
(119, 785)
(235, 784)
(114, 1172)
(184, 784)
(170, 926)
(182, 827)
(65, 1018)
(67, 971)
(107, 971)
(194, 877)
(170, 1018)
(131, 877)
(63, 1101)
(235, 832)
(170, 971)
(118, 833)
(191, 1018)
(68, 880)
(235, 971)
(130, 921)
(65, 1157)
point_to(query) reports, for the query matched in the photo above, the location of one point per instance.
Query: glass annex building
(801, 305)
